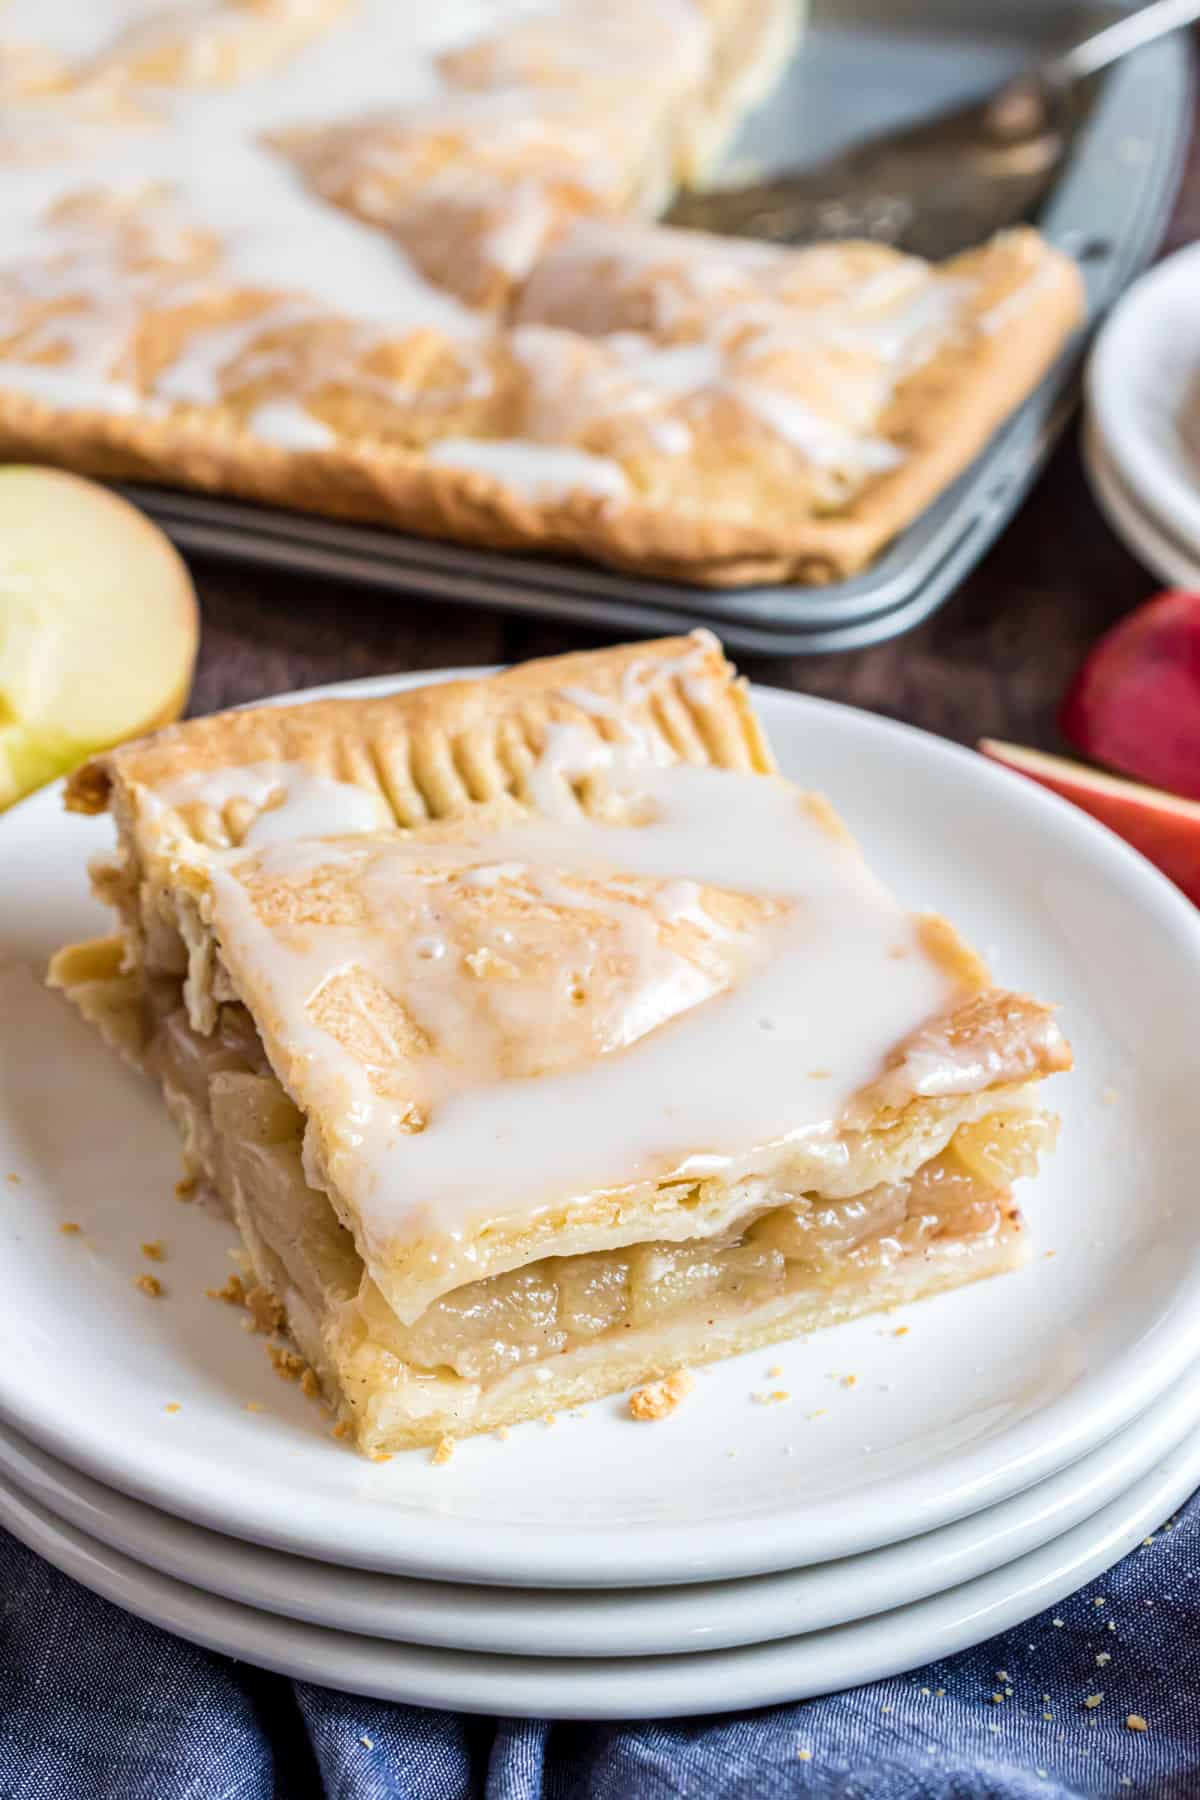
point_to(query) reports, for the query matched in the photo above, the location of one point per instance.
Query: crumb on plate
(658, 1399)
(264, 1309)
(288, 1364)
(155, 1250)
(443, 1451)
(233, 1293)
(70, 1228)
(151, 1285)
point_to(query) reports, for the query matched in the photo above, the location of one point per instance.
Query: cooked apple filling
(547, 1308)
(247, 1134)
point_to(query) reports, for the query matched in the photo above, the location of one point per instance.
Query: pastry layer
(434, 300)
(563, 1329)
(540, 1037)
(614, 900)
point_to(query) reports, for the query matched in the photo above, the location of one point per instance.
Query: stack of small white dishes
(1142, 427)
(813, 1516)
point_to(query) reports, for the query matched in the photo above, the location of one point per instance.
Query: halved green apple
(98, 625)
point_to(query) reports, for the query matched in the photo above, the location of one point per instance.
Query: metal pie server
(947, 182)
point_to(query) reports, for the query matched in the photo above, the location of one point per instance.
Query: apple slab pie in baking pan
(399, 264)
(542, 1040)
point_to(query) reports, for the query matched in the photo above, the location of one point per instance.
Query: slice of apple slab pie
(542, 1039)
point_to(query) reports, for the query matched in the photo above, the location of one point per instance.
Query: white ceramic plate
(795, 1668)
(617, 1622)
(1148, 541)
(1143, 390)
(991, 1389)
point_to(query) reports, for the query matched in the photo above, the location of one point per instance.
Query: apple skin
(1164, 828)
(1135, 703)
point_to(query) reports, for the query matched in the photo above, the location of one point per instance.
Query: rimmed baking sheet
(859, 67)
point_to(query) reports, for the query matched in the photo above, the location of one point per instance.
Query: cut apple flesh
(98, 625)
(1165, 829)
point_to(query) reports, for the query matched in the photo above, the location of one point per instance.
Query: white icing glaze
(538, 471)
(820, 440)
(74, 29)
(705, 1064)
(287, 423)
(295, 802)
(194, 377)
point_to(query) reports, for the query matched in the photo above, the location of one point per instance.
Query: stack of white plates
(1142, 430)
(812, 1517)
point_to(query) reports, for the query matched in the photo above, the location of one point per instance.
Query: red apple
(1166, 830)
(1135, 703)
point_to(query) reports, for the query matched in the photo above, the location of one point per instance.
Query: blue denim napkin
(95, 1705)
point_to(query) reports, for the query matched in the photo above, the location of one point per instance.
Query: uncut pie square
(542, 1039)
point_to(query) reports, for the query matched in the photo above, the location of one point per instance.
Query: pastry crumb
(901, 1331)
(233, 1293)
(1092, 1701)
(310, 1387)
(849, 1380)
(70, 1228)
(658, 1399)
(151, 1285)
(13, 1178)
(443, 1451)
(253, 1406)
(775, 1371)
(288, 1365)
(1136, 1722)
(1105, 1656)
(341, 1429)
(381, 1456)
(264, 1309)
(366, 1742)
(502, 1433)
(155, 1251)
(804, 1755)
(172, 1406)
(185, 1187)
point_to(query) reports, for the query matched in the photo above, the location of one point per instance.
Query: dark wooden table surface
(992, 662)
